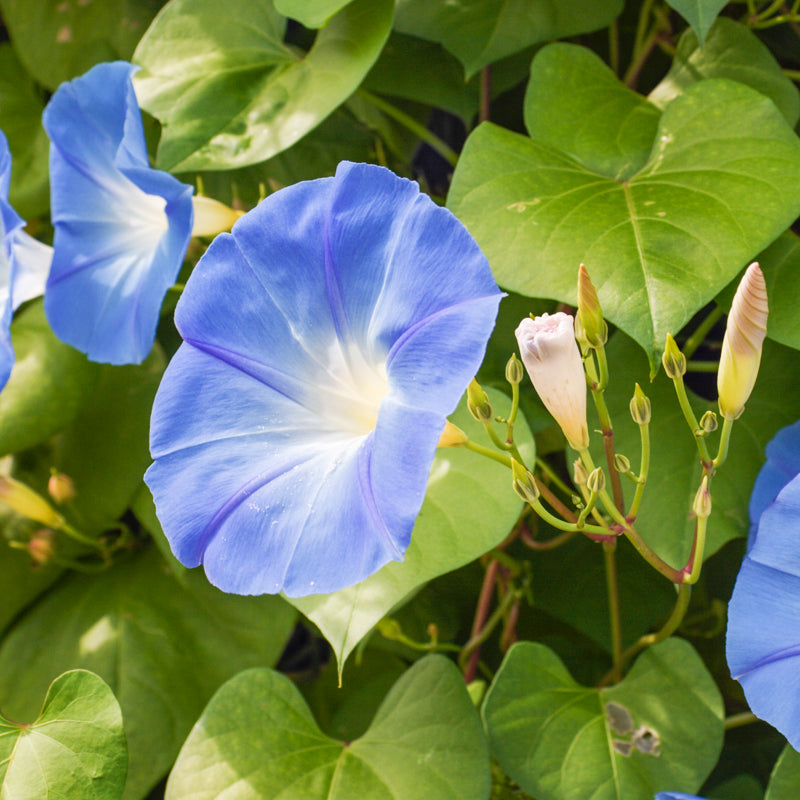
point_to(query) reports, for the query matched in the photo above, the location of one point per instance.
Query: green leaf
(660, 729)
(258, 735)
(700, 14)
(784, 783)
(58, 40)
(229, 93)
(730, 51)
(610, 128)
(21, 109)
(163, 646)
(76, 747)
(479, 32)
(675, 470)
(469, 508)
(49, 377)
(311, 13)
(104, 449)
(722, 181)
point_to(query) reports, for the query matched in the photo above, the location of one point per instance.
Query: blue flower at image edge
(24, 264)
(763, 638)
(325, 342)
(121, 227)
(677, 796)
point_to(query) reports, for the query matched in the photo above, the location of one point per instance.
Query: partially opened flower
(763, 640)
(550, 354)
(121, 228)
(24, 263)
(325, 342)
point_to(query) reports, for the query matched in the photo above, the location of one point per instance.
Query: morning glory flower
(24, 263)
(763, 639)
(677, 796)
(121, 227)
(325, 342)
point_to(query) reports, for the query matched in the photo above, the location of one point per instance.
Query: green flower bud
(640, 406)
(592, 325)
(702, 500)
(622, 463)
(579, 473)
(524, 483)
(478, 402)
(708, 422)
(673, 360)
(596, 481)
(515, 372)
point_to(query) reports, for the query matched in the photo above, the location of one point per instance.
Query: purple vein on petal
(780, 655)
(365, 485)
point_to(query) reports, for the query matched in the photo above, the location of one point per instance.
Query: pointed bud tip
(593, 327)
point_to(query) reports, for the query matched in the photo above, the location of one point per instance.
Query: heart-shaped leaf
(469, 508)
(722, 181)
(257, 734)
(164, 647)
(700, 14)
(730, 51)
(660, 728)
(76, 747)
(311, 13)
(229, 92)
(481, 32)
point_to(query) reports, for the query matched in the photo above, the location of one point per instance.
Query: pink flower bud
(741, 347)
(550, 354)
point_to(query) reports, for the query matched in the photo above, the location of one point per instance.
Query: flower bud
(590, 315)
(640, 406)
(741, 347)
(514, 370)
(524, 483)
(452, 436)
(579, 473)
(702, 500)
(622, 463)
(478, 402)
(550, 354)
(41, 546)
(596, 481)
(20, 498)
(60, 487)
(708, 422)
(673, 360)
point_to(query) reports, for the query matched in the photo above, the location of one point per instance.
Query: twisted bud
(551, 357)
(741, 347)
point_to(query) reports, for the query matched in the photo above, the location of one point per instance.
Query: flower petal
(763, 640)
(121, 228)
(325, 340)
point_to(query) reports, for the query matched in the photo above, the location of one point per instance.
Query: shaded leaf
(554, 737)
(229, 93)
(163, 646)
(700, 14)
(258, 735)
(479, 33)
(784, 783)
(75, 748)
(730, 51)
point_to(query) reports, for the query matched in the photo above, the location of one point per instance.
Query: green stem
(670, 626)
(417, 128)
(702, 330)
(694, 425)
(695, 564)
(702, 366)
(743, 718)
(501, 458)
(613, 47)
(486, 631)
(484, 111)
(724, 441)
(792, 74)
(65, 527)
(615, 622)
(561, 525)
(644, 471)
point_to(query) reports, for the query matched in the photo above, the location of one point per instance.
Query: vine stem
(481, 613)
(615, 621)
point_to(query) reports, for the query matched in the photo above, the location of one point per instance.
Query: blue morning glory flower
(677, 796)
(24, 264)
(325, 342)
(121, 227)
(763, 640)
